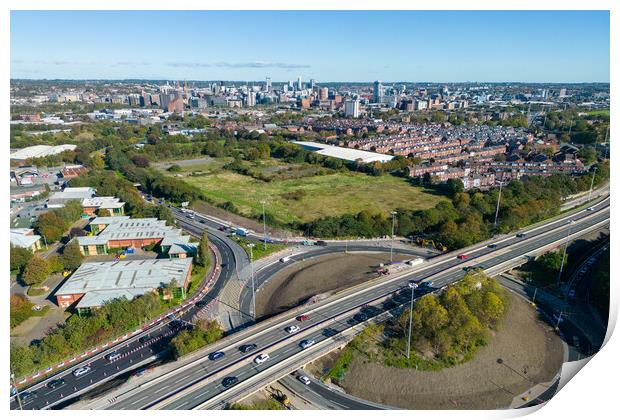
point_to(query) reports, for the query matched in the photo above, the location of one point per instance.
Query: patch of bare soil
(330, 273)
(530, 353)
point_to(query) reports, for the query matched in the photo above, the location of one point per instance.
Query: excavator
(429, 243)
(280, 397)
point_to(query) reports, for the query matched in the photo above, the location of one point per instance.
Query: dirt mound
(299, 282)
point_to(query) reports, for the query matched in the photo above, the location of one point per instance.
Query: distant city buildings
(352, 108)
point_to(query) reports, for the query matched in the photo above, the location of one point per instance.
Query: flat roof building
(25, 238)
(60, 198)
(344, 152)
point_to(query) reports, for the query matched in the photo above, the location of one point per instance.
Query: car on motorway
(222, 228)
(81, 371)
(292, 329)
(230, 381)
(426, 284)
(200, 304)
(112, 357)
(216, 355)
(143, 339)
(247, 348)
(27, 396)
(321, 243)
(203, 221)
(303, 379)
(590, 208)
(302, 318)
(462, 257)
(520, 235)
(304, 344)
(492, 246)
(261, 358)
(56, 383)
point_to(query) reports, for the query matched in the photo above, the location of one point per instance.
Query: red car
(462, 257)
(302, 318)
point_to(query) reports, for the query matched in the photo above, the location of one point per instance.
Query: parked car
(261, 358)
(81, 371)
(216, 355)
(302, 318)
(230, 381)
(292, 329)
(27, 396)
(246, 348)
(303, 379)
(304, 344)
(56, 383)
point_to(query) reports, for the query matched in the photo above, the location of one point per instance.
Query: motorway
(199, 383)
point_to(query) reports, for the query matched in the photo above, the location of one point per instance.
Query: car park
(56, 383)
(247, 348)
(81, 371)
(304, 344)
(216, 355)
(292, 329)
(261, 358)
(303, 379)
(230, 381)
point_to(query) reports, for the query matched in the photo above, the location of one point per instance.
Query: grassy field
(324, 195)
(600, 113)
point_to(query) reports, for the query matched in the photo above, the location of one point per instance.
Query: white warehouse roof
(344, 152)
(40, 150)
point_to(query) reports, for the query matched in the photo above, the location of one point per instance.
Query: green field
(325, 195)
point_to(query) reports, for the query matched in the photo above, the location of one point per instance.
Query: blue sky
(529, 46)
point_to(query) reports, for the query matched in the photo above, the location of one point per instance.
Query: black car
(321, 243)
(143, 339)
(56, 383)
(520, 235)
(229, 381)
(200, 303)
(27, 396)
(247, 348)
(216, 355)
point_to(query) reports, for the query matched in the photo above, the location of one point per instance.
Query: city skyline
(463, 46)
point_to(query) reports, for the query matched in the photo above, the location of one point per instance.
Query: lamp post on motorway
(393, 213)
(501, 184)
(592, 184)
(17, 397)
(570, 223)
(412, 286)
(264, 227)
(251, 246)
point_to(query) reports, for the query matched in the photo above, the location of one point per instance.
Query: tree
(202, 256)
(71, 255)
(19, 257)
(51, 226)
(455, 185)
(96, 162)
(36, 272)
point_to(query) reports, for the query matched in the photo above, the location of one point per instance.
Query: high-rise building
(312, 83)
(299, 85)
(378, 92)
(268, 84)
(250, 99)
(323, 94)
(352, 108)
(563, 93)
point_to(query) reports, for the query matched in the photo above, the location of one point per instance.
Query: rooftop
(23, 237)
(103, 202)
(344, 152)
(102, 281)
(40, 151)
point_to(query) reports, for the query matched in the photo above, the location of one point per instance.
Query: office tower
(299, 85)
(378, 92)
(268, 84)
(323, 94)
(352, 108)
(250, 99)
(563, 93)
(312, 82)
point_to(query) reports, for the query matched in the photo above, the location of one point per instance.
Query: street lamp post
(501, 184)
(412, 286)
(592, 184)
(264, 227)
(251, 246)
(570, 222)
(17, 397)
(393, 213)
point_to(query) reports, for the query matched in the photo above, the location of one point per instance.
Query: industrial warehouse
(96, 283)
